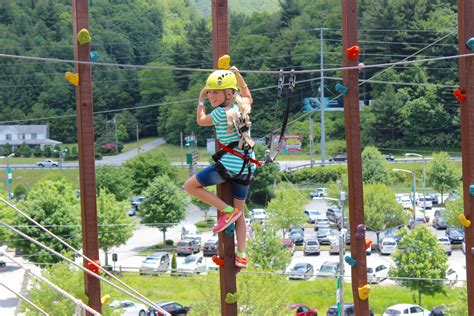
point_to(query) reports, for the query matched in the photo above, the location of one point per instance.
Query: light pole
(424, 177)
(61, 156)
(9, 175)
(414, 192)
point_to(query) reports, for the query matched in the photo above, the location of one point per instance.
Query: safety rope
(25, 299)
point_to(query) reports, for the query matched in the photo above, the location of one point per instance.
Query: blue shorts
(209, 176)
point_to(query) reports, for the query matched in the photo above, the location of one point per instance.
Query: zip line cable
(142, 298)
(78, 302)
(25, 299)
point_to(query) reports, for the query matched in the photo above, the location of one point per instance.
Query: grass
(30, 177)
(176, 154)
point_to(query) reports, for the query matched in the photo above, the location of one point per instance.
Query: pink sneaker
(226, 219)
(240, 262)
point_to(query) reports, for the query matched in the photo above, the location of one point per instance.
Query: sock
(228, 209)
(240, 254)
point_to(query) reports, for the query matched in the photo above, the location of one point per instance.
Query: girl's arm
(244, 90)
(201, 118)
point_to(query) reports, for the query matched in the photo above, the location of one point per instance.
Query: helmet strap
(224, 104)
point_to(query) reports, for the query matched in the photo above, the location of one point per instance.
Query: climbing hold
(472, 251)
(229, 231)
(94, 268)
(350, 261)
(471, 190)
(72, 78)
(470, 43)
(84, 37)
(364, 292)
(224, 62)
(94, 56)
(361, 66)
(342, 88)
(231, 298)
(461, 97)
(353, 52)
(218, 261)
(105, 299)
(368, 243)
(360, 231)
(462, 218)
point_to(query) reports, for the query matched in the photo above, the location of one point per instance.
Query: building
(32, 135)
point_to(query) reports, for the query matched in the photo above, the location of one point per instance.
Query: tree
(261, 189)
(37, 152)
(115, 226)
(47, 152)
(116, 180)
(7, 149)
(144, 168)
(56, 151)
(174, 263)
(52, 203)
(441, 174)
(165, 204)
(286, 210)
(265, 251)
(20, 191)
(25, 150)
(420, 260)
(203, 206)
(374, 166)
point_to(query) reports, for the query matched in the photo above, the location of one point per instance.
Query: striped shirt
(231, 162)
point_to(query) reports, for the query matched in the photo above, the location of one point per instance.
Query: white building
(32, 135)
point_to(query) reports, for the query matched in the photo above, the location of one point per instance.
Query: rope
(140, 299)
(26, 300)
(54, 286)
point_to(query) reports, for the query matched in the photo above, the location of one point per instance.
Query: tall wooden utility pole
(85, 137)
(466, 82)
(354, 160)
(220, 46)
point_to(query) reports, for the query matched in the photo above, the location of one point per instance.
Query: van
(156, 263)
(189, 231)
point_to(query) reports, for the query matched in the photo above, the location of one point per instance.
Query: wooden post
(85, 137)
(220, 46)
(466, 82)
(354, 159)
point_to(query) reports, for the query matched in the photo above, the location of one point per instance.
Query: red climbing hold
(353, 52)
(218, 261)
(461, 97)
(93, 268)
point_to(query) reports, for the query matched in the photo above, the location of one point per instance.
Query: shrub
(169, 242)
(317, 174)
(25, 150)
(37, 152)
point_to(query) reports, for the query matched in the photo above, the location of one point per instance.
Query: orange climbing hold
(218, 261)
(353, 52)
(461, 97)
(94, 268)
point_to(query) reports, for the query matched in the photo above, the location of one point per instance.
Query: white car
(376, 273)
(314, 216)
(388, 246)
(318, 192)
(406, 202)
(445, 244)
(424, 202)
(128, 308)
(406, 309)
(259, 215)
(192, 265)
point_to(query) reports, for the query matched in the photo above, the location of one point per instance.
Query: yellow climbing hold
(84, 37)
(105, 299)
(462, 218)
(364, 292)
(224, 62)
(72, 78)
(231, 298)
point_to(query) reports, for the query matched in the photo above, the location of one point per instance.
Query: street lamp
(61, 156)
(9, 175)
(414, 191)
(424, 177)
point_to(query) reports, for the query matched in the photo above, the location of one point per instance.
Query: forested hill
(167, 32)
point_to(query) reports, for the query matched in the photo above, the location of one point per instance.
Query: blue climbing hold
(94, 56)
(229, 231)
(470, 43)
(342, 88)
(350, 261)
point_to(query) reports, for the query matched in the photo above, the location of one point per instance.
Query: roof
(25, 128)
(46, 141)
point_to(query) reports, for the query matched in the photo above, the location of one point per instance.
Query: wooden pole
(220, 46)
(354, 160)
(85, 137)
(466, 82)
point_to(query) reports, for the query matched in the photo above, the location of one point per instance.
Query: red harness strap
(240, 155)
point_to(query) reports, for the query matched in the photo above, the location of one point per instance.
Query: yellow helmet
(220, 80)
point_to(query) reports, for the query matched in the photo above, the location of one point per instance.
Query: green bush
(317, 174)
(37, 152)
(169, 242)
(211, 221)
(202, 224)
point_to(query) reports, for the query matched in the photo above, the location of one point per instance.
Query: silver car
(329, 269)
(311, 246)
(188, 246)
(155, 263)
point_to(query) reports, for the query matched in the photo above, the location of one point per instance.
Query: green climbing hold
(231, 298)
(84, 37)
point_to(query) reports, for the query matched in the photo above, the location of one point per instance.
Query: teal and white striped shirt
(231, 162)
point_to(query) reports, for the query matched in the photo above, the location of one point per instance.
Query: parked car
(433, 198)
(322, 223)
(463, 247)
(2, 264)
(329, 269)
(334, 247)
(318, 192)
(438, 311)
(453, 195)
(210, 248)
(311, 246)
(288, 244)
(188, 246)
(339, 158)
(387, 246)
(129, 307)
(440, 222)
(189, 230)
(258, 215)
(349, 310)
(48, 163)
(324, 236)
(406, 309)
(303, 310)
(406, 202)
(301, 271)
(155, 263)
(192, 265)
(416, 221)
(376, 273)
(455, 235)
(135, 204)
(297, 236)
(445, 244)
(333, 215)
(389, 158)
(451, 277)
(314, 215)
(424, 202)
(171, 307)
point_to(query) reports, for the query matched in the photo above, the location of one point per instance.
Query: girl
(235, 162)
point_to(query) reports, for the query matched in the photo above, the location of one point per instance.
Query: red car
(302, 310)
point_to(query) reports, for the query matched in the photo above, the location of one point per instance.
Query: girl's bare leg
(240, 229)
(195, 188)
